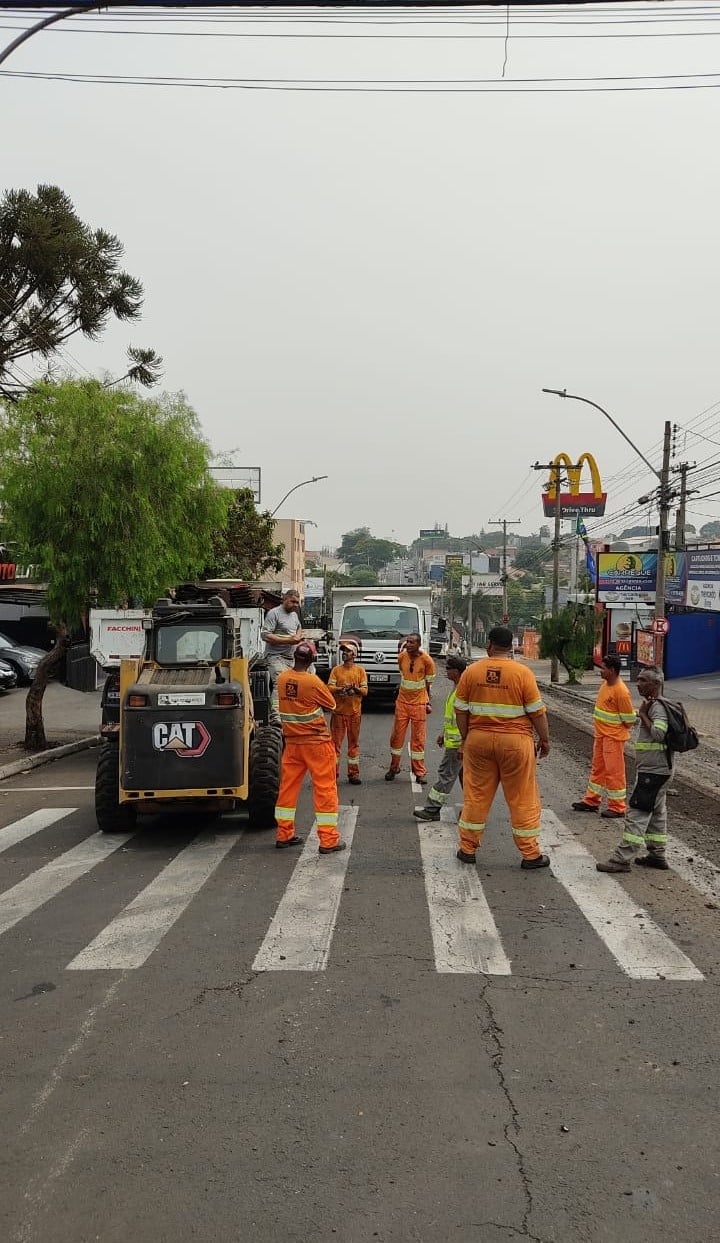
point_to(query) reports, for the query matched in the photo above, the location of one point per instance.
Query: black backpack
(681, 735)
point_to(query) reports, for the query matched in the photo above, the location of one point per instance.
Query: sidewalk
(69, 716)
(700, 695)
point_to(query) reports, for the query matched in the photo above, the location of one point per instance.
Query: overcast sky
(376, 285)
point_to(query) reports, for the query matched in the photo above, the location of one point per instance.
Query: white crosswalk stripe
(300, 935)
(29, 825)
(642, 950)
(129, 939)
(37, 889)
(465, 937)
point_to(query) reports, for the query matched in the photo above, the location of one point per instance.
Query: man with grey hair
(646, 815)
(451, 742)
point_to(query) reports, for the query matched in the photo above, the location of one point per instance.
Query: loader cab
(197, 634)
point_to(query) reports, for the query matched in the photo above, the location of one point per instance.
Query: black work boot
(531, 865)
(653, 861)
(427, 813)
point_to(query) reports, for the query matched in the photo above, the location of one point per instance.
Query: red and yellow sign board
(574, 502)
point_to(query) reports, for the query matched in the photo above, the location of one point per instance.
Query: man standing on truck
(417, 671)
(304, 698)
(282, 632)
(348, 683)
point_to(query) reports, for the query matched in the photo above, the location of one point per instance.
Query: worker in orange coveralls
(497, 707)
(348, 683)
(613, 717)
(412, 706)
(303, 699)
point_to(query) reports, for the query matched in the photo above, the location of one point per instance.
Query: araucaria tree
(111, 494)
(58, 277)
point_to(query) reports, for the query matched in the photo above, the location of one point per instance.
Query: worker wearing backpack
(646, 816)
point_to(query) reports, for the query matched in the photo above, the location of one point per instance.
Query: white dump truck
(379, 621)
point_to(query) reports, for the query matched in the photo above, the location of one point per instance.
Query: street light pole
(554, 467)
(315, 479)
(664, 497)
(561, 392)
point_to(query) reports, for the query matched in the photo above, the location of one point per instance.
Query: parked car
(22, 658)
(8, 676)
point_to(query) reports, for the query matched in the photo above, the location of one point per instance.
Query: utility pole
(470, 609)
(664, 506)
(554, 481)
(506, 522)
(682, 471)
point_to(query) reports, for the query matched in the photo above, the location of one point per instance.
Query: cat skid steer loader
(187, 737)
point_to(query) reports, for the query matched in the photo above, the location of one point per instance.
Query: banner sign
(574, 502)
(313, 588)
(703, 579)
(675, 577)
(645, 643)
(626, 576)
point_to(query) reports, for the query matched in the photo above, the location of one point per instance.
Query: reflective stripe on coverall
(613, 716)
(416, 674)
(345, 720)
(500, 697)
(451, 761)
(308, 749)
(648, 828)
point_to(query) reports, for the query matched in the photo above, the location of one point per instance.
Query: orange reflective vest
(500, 695)
(303, 697)
(342, 678)
(416, 676)
(614, 714)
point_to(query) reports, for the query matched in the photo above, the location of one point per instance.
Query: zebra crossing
(299, 937)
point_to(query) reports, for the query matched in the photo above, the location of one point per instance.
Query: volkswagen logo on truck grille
(379, 658)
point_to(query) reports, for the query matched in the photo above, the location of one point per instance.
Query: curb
(700, 781)
(46, 757)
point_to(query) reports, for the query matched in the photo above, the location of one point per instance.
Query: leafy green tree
(570, 637)
(359, 547)
(58, 277)
(533, 557)
(243, 547)
(113, 495)
(362, 576)
(711, 530)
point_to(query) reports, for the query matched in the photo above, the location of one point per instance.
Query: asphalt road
(219, 1086)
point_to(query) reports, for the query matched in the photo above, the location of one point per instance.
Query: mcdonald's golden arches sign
(574, 502)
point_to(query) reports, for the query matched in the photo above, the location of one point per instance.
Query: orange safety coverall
(308, 749)
(416, 676)
(501, 698)
(613, 717)
(345, 720)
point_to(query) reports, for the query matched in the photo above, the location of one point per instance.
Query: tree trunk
(35, 739)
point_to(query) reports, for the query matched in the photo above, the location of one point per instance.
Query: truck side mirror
(441, 625)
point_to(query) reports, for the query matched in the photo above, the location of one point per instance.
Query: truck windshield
(188, 642)
(379, 621)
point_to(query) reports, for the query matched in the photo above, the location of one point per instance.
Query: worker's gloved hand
(428, 709)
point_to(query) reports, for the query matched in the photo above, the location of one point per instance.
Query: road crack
(493, 1034)
(236, 987)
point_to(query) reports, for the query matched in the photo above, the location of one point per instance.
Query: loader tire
(112, 816)
(265, 757)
